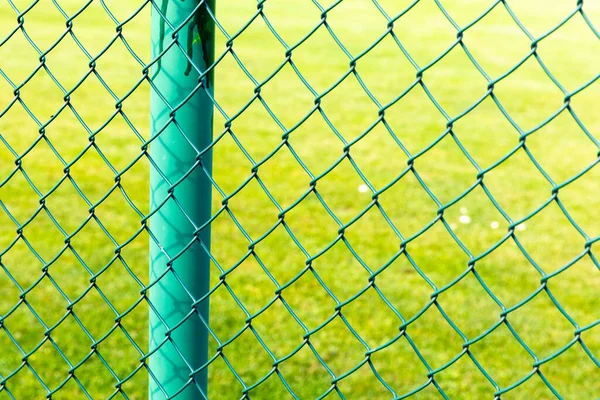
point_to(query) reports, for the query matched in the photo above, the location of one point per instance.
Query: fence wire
(342, 267)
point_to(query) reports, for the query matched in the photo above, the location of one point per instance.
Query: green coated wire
(280, 294)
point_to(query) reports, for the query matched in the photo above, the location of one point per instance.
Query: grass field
(52, 273)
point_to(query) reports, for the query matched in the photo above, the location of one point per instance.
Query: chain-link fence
(378, 198)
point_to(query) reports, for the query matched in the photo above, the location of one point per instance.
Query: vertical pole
(175, 78)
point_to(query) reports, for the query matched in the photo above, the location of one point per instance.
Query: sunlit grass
(368, 255)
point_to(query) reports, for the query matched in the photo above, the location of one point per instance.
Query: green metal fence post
(174, 154)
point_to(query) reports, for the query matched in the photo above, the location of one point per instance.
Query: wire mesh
(405, 199)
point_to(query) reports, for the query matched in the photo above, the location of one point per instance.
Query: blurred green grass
(561, 148)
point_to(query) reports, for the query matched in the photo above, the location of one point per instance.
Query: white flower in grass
(495, 225)
(521, 227)
(363, 188)
(464, 219)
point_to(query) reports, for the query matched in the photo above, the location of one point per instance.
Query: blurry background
(37, 194)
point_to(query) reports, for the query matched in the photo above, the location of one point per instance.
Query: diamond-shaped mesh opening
(534, 239)
(71, 340)
(43, 226)
(351, 96)
(533, 386)
(234, 79)
(295, 108)
(84, 317)
(49, 312)
(112, 71)
(114, 213)
(102, 383)
(454, 178)
(308, 217)
(399, 204)
(344, 207)
(282, 341)
(354, 279)
(575, 205)
(577, 383)
(53, 171)
(48, 355)
(569, 139)
(372, 319)
(229, 178)
(231, 318)
(385, 54)
(363, 380)
(440, 269)
(119, 132)
(496, 42)
(12, 355)
(119, 286)
(91, 160)
(25, 377)
(23, 329)
(508, 274)
(101, 19)
(320, 50)
(251, 285)
(469, 307)
(345, 15)
(282, 269)
(306, 361)
(245, 132)
(91, 261)
(310, 301)
(535, 23)
(116, 348)
(543, 309)
(507, 368)
(313, 142)
(377, 174)
(403, 199)
(476, 222)
(372, 259)
(415, 120)
(243, 214)
(560, 45)
(525, 176)
(78, 212)
(530, 113)
(17, 69)
(284, 161)
(441, 78)
(44, 82)
(259, 69)
(454, 386)
(224, 381)
(67, 62)
(306, 16)
(407, 29)
(17, 123)
(248, 344)
(20, 211)
(403, 286)
(335, 336)
(486, 126)
(437, 341)
(585, 114)
(90, 95)
(22, 265)
(400, 352)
